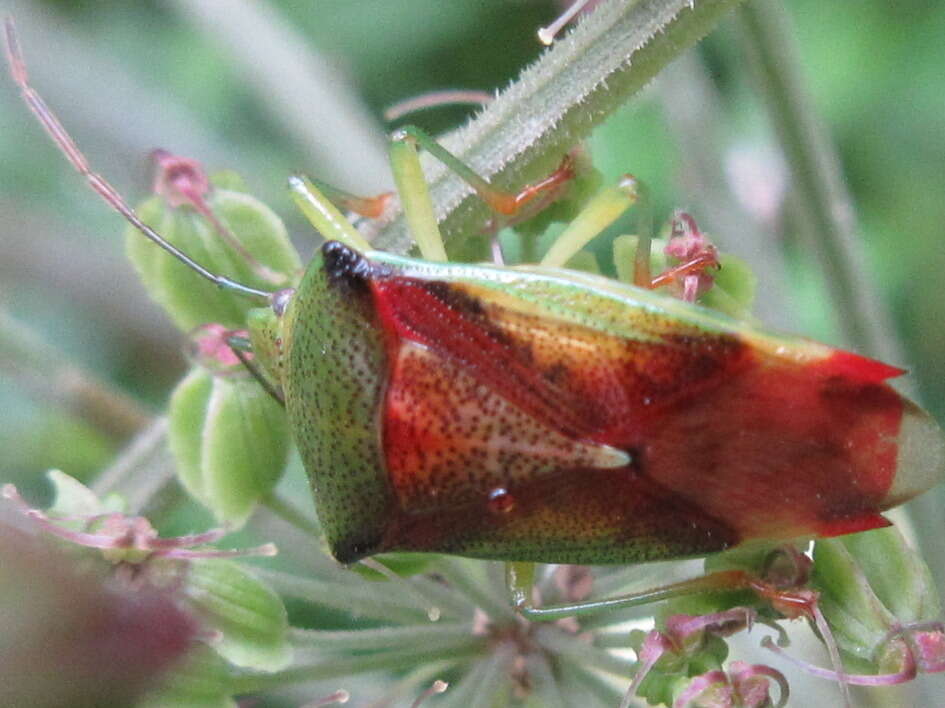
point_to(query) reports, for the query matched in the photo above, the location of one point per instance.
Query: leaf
(250, 615)
(71, 497)
(871, 583)
(733, 289)
(201, 681)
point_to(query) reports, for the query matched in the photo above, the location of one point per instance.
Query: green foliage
(202, 680)
(248, 613)
(189, 300)
(230, 439)
(871, 584)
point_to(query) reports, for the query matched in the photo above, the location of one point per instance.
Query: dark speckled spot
(454, 299)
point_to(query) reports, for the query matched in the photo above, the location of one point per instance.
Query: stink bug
(538, 414)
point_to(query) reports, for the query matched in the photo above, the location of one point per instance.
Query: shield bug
(539, 414)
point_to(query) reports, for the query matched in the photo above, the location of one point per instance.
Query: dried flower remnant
(210, 348)
(689, 245)
(130, 539)
(916, 649)
(686, 641)
(182, 180)
(743, 686)
(241, 621)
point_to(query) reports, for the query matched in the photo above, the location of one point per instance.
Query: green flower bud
(230, 440)
(253, 228)
(874, 591)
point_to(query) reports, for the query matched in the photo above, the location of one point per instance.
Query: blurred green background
(268, 88)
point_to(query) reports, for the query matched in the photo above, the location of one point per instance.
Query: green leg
(324, 215)
(242, 348)
(415, 199)
(596, 216)
(520, 578)
(413, 188)
(641, 262)
(370, 207)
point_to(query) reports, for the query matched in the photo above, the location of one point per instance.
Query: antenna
(68, 147)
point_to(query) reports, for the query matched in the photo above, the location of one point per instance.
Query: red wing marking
(449, 440)
(854, 367)
(841, 527)
(585, 383)
(774, 447)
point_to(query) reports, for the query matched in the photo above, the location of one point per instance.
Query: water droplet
(500, 501)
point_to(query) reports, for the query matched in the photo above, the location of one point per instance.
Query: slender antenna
(65, 143)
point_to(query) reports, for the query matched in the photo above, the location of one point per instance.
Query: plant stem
(459, 573)
(560, 644)
(357, 597)
(143, 447)
(691, 104)
(339, 667)
(382, 637)
(556, 102)
(826, 208)
(48, 373)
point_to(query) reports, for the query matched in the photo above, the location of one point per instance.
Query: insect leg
(695, 265)
(369, 207)
(520, 578)
(503, 202)
(324, 215)
(241, 347)
(596, 216)
(64, 142)
(415, 199)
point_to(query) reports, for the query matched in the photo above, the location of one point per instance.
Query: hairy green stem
(575, 85)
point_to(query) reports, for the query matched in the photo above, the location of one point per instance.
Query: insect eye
(280, 300)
